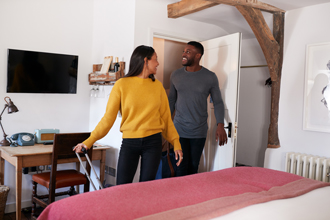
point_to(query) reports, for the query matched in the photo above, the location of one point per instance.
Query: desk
(37, 155)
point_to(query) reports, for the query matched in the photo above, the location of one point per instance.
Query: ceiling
(231, 21)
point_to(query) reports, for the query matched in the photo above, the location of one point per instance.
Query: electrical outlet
(112, 171)
(41, 168)
(106, 169)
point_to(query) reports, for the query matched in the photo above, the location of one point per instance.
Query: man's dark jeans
(192, 149)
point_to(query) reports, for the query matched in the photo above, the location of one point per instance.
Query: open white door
(222, 56)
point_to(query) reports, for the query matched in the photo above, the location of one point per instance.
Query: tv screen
(40, 72)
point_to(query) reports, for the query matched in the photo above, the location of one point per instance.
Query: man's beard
(188, 63)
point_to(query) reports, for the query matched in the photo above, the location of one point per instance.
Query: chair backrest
(62, 149)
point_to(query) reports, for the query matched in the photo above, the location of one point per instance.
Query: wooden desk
(37, 155)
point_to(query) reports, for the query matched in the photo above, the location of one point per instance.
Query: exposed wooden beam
(272, 47)
(267, 42)
(278, 31)
(251, 3)
(186, 7)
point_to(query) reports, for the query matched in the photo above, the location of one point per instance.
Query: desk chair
(62, 149)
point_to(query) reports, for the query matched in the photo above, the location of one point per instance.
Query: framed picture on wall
(317, 88)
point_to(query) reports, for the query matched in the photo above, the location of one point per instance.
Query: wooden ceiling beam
(278, 31)
(186, 7)
(272, 47)
(251, 3)
(264, 36)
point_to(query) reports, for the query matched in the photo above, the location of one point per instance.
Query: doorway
(169, 54)
(254, 102)
(221, 56)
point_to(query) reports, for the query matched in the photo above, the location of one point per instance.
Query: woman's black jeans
(148, 148)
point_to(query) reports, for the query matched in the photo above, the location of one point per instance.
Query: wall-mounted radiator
(312, 167)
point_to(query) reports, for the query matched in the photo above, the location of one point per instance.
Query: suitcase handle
(84, 150)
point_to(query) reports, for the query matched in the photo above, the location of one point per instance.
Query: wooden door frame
(270, 43)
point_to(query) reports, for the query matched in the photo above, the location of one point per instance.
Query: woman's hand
(78, 148)
(178, 153)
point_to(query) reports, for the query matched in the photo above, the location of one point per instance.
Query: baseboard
(242, 165)
(12, 206)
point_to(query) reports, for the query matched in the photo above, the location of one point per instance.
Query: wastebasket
(3, 199)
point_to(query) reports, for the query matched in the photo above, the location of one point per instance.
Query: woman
(146, 116)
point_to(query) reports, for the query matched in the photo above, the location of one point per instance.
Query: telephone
(22, 139)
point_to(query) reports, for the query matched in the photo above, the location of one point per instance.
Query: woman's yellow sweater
(145, 111)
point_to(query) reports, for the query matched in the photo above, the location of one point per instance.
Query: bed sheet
(313, 205)
(199, 196)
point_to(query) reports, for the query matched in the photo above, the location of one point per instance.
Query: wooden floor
(25, 215)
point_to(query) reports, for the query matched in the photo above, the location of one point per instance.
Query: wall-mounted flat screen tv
(41, 72)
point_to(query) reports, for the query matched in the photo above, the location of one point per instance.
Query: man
(189, 90)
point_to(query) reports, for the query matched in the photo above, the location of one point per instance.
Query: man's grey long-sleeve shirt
(188, 97)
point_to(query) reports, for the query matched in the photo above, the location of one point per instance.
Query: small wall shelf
(109, 78)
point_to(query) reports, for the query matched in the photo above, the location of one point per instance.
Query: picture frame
(317, 88)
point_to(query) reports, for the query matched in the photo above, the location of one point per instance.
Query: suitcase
(90, 163)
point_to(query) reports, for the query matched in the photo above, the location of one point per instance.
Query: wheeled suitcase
(90, 163)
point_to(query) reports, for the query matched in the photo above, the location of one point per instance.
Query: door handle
(229, 129)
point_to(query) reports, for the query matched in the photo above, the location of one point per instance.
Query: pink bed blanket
(200, 196)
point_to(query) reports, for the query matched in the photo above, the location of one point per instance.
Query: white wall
(151, 17)
(254, 106)
(49, 26)
(113, 35)
(302, 26)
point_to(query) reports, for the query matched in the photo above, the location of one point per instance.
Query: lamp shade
(11, 106)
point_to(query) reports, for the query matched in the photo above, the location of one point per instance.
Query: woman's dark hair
(137, 60)
(199, 47)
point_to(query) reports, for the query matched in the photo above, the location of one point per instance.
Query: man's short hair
(199, 47)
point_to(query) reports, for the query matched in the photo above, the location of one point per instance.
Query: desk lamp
(11, 108)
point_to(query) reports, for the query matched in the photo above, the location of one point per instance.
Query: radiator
(309, 166)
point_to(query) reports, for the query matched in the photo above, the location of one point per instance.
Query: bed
(233, 193)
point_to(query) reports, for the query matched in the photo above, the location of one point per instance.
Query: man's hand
(221, 134)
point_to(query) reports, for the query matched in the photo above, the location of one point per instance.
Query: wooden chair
(62, 150)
